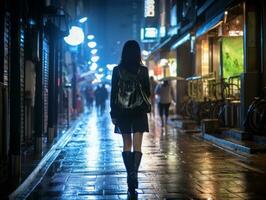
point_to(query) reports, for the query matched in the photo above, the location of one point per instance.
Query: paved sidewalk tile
(174, 166)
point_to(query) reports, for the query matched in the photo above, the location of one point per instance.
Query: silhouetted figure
(97, 94)
(79, 103)
(89, 95)
(153, 85)
(129, 121)
(103, 97)
(166, 95)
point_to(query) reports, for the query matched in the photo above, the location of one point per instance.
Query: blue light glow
(95, 58)
(83, 19)
(150, 32)
(94, 51)
(92, 44)
(109, 77)
(90, 37)
(111, 66)
(93, 66)
(75, 37)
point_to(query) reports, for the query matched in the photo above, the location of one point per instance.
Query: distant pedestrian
(153, 85)
(127, 117)
(97, 94)
(103, 97)
(89, 95)
(166, 96)
(79, 103)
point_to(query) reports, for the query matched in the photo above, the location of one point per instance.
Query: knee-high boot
(137, 158)
(129, 164)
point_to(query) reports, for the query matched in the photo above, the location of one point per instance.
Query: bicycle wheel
(217, 109)
(256, 118)
(204, 111)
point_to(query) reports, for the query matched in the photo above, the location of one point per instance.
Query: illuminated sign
(149, 8)
(150, 32)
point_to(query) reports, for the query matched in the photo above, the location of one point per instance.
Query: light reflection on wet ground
(174, 166)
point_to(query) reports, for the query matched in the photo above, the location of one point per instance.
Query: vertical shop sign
(149, 8)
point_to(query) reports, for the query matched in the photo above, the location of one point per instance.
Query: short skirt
(132, 124)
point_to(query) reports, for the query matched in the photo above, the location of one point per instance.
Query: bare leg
(137, 141)
(127, 141)
(128, 159)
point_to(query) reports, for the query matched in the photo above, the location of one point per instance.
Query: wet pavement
(174, 166)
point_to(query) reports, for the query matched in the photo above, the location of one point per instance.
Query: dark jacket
(144, 81)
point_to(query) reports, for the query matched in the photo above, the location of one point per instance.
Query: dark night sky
(111, 21)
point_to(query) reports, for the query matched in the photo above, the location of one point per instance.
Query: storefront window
(172, 66)
(232, 47)
(204, 57)
(227, 34)
(233, 56)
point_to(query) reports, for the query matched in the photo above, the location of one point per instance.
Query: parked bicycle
(208, 98)
(256, 115)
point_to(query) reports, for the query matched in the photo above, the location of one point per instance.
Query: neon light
(151, 32)
(149, 8)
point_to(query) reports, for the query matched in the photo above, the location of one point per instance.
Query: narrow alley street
(174, 166)
(201, 62)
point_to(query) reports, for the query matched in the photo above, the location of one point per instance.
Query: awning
(181, 41)
(165, 45)
(210, 25)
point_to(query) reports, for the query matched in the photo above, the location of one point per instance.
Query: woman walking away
(130, 82)
(166, 95)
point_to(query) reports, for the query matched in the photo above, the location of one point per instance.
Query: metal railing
(213, 98)
(198, 86)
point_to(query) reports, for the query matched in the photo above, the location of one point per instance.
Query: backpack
(128, 96)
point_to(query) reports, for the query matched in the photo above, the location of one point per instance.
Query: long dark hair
(131, 56)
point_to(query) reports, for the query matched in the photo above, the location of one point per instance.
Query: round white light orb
(75, 37)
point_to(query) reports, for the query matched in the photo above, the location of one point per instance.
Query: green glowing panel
(233, 56)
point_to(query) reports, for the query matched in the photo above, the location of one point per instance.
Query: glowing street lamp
(83, 19)
(95, 58)
(94, 51)
(90, 37)
(75, 37)
(111, 66)
(99, 76)
(109, 77)
(93, 66)
(92, 44)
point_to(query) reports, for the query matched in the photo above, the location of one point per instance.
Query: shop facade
(219, 50)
